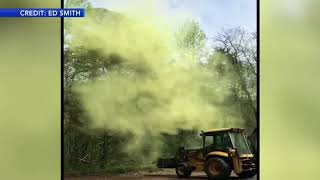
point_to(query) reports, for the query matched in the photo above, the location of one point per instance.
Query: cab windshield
(239, 141)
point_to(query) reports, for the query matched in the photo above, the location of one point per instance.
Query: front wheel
(247, 174)
(217, 168)
(183, 170)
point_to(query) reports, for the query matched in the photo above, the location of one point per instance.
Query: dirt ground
(194, 176)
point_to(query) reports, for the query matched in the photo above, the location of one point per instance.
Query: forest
(131, 94)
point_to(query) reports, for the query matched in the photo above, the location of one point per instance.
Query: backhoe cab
(223, 151)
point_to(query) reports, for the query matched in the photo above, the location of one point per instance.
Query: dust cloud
(157, 88)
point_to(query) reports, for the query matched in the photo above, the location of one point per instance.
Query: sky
(212, 15)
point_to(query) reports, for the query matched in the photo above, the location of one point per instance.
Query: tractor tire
(247, 174)
(217, 168)
(183, 170)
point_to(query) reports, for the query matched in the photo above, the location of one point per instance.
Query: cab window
(219, 141)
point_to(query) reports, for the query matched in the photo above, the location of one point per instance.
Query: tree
(91, 150)
(240, 48)
(190, 36)
(191, 42)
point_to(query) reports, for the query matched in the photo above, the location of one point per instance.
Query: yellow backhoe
(223, 151)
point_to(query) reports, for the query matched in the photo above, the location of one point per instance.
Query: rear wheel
(183, 170)
(217, 168)
(247, 174)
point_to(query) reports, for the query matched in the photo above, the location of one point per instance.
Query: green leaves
(190, 36)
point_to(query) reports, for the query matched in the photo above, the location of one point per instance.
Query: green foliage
(190, 36)
(81, 64)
